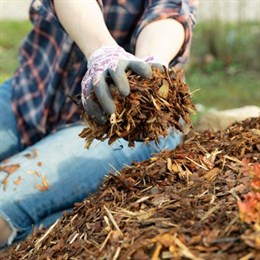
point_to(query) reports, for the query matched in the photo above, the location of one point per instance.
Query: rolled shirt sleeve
(183, 11)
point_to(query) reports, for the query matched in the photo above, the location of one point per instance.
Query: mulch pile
(180, 204)
(152, 107)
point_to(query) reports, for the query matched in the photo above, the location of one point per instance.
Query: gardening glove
(156, 62)
(112, 60)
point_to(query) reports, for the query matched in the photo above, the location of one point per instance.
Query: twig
(46, 234)
(201, 166)
(110, 216)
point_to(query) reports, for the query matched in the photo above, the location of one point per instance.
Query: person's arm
(163, 39)
(84, 22)
(165, 30)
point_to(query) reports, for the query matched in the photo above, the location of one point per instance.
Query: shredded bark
(179, 204)
(152, 107)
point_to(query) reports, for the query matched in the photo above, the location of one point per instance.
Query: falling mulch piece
(44, 185)
(18, 180)
(152, 107)
(179, 204)
(32, 155)
(8, 169)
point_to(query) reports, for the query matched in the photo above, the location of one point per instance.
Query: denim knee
(9, 134)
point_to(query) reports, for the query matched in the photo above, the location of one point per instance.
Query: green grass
(12, 34)
(223, 91)
(229, 80)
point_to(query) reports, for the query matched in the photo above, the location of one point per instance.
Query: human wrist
(150, 55)
(91, 49)
(152, 59)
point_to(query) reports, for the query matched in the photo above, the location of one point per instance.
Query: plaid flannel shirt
(52, 66)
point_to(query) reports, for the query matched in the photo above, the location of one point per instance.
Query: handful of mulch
(153, 106)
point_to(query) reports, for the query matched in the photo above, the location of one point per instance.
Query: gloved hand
(156, 62)
(113, 61)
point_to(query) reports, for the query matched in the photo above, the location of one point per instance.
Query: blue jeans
(71, 171)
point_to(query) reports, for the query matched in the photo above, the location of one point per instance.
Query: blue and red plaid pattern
(52, 66)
